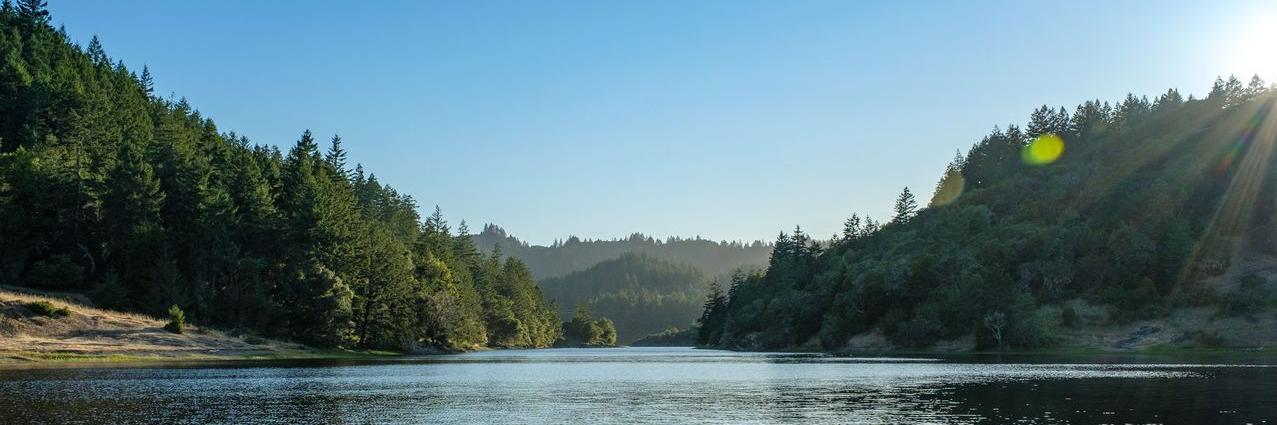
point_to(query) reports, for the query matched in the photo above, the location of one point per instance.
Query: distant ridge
(575, 254)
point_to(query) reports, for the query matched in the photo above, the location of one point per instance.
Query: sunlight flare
(1043, 150)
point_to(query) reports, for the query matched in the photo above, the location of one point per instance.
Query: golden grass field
(89, 333)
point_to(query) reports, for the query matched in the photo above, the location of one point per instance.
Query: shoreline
(37, 359)
(1255, 354)
(25, 359)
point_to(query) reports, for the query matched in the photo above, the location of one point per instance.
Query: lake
(644, 385)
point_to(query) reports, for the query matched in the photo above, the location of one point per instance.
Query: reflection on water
(642, 385)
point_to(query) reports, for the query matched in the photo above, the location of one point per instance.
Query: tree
(1256, 87)
(147, 82)
(147, 204)
(36, 12)
(336, 157)
(951, 184)
(96, 53)
(320, 307)
(713, 316)
(851, 229)
(905, 208)
(996, 322)
(176, 320)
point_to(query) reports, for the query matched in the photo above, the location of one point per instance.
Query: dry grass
(88, 333)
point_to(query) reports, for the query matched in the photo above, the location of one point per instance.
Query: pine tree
(147, 83)
(851, 229)
(713, 315)
(305, 147)
(905, 208)
(36, 12)
(1256, 87)
(336, 157)
(96, 53)
(133, 199)
(1041, 121)
(951, 184)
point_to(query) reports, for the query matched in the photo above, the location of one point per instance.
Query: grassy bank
(63, 328)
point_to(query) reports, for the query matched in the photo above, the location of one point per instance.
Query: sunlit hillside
(1092, 219)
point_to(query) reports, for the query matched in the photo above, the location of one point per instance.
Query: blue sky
(729, 120)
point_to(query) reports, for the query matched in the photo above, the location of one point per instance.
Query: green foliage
(640, 293)
(47, 309)
(1136, 213)
(147, 204)
(1251, 296)
(1068, 317)
(583, 330)
(672, 337)
(713, 313)
(176, 320)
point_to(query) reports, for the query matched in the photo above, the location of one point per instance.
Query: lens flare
(1043, 150)
(950, 189)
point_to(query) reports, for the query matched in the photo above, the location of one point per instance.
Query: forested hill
(1138, 210)
(574, 254)
(143, 202)
(641, 294)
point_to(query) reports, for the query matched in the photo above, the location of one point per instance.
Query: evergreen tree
(905, 208)
(714, 312)
(147, 83)
(36, 12)
(336, 157)
(851, 229)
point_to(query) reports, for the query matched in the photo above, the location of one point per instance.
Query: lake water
(643, 385)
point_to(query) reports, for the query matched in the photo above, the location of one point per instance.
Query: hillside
(91, 333)
(575, 254)
(639, 293)
(144, 203)
(1114, 226)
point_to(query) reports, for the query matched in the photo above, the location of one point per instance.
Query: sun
(1254, 50)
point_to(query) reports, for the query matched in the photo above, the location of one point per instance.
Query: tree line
(1136, 204)
(639, 293)
(144, 203)
(576, 254)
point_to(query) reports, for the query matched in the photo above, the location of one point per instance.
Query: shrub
(47, 309)
(1250, 297)
(176, 320)
(1069, 317)
(1035, 328)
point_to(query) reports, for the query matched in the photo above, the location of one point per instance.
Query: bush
(1035, 328)
(1068, 317)
(47, 309)
(176, 320)
(1250, 297)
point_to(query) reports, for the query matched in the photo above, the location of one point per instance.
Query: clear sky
(729, 120)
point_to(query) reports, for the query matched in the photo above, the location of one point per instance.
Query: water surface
(643, 385)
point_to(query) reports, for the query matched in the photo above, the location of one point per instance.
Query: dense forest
(641, 294)
(108, 189)
(1147, 206)
(575, 254)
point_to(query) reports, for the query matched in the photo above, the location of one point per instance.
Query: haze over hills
(641, 294)
(1155, 214)
(574, 254)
